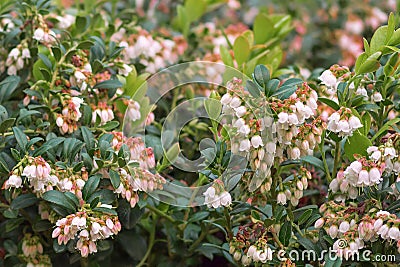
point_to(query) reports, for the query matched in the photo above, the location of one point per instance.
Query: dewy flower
(216, 195)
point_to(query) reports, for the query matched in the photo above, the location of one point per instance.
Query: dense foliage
(294, 135)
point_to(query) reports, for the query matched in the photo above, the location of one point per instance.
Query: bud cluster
(32, 252)
(67, 121)
(250, 244)
(88, 228)
(352, 230)
(17, 58)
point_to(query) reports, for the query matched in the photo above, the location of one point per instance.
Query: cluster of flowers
(18, 58)
(387, 154)
(343, 222)
(248, 130)
(138, 178)
(294, 188)
(216, 195)
(342, 189)
(250, 244)
(363, 173)
(32, 251)
(38, 173)
(333, 76)
(152, 52)
(103, 111)
(291, 134)
(88, 228)
(343, 122)
(337, 74)
(367, 171)
(70, 181)
(43, 33)
(292, 114)
(67, 121)
(307, 138)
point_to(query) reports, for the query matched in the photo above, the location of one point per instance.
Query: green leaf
(307, 243)
(6, 124)
(213, 108)
(129, 216)
(370, 64)
(88, 137)
(105, 210)
(285, 233)
(109, 84)
(194, 9)
(115, 179)
(313, 161)
(58, 198)
(85, 45)
(172, 153)
(3, 113)
(226, 56)
(284, 92)
(329, 102)
(253, 88)
(332, 261)
(58, 248)
(42, 226)
(50, 144)
(56, 52)
(305, 216)
(90, 186)
(241, 49)
(32, 142)
(366, 121)
(385, 127)
(95, 202)
(378, 39)
(20, 137)
(46, 61)
(8, 86)
(24, 201)
(292, 81)
(72, 199)
(263, 28)
(261, 75)
(392, 64)
(110, 125)
(356, 144)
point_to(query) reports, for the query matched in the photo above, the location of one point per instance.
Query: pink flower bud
(56, 232)
(319, 223)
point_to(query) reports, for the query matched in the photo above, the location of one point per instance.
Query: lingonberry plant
(300, 167)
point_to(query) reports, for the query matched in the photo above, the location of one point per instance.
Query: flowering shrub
(287, 166)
